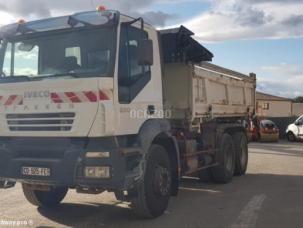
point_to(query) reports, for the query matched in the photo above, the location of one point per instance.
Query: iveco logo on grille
(36, 94)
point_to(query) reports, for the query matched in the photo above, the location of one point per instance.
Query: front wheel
(50, 198)
(153, 193)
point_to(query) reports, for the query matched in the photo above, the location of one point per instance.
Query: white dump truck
(99, 101)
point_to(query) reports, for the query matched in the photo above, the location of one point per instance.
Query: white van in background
(295, 130)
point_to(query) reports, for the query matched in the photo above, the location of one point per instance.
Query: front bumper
(65, 157)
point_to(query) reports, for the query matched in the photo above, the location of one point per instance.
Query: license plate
(35, 171)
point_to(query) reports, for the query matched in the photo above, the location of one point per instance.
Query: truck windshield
(79, 53)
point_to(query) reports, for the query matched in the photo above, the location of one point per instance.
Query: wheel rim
(161, 181)
(291, 137)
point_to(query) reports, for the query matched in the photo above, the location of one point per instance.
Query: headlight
(97, 155)
(97, 172)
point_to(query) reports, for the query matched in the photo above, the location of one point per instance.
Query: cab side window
(132, 77)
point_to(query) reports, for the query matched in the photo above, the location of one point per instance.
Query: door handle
(151, 110)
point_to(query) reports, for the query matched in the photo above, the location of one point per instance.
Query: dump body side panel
(221, 95)
(193, 92)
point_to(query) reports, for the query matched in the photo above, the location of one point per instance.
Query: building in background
(297, 109)
(273, 106)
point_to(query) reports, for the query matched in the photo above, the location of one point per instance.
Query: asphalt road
(270, 196)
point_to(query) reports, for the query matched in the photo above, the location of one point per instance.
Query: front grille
(41, 121)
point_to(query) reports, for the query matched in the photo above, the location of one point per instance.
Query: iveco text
(37, 94)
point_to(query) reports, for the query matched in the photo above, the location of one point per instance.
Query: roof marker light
(101, 8)
(21, 21)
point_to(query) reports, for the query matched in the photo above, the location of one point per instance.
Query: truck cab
(72, 65)
(79, 101)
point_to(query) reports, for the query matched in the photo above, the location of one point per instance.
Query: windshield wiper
(12, 79)
(25, 78)
(67, 74)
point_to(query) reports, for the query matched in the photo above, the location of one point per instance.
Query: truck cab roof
(77, 20)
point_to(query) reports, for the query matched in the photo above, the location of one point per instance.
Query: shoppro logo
(144, 114)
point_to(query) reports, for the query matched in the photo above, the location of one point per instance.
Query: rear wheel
(153, 193)
(205, 175)
(50, 198)
(224, 171)
(291, 137)
(241, 153)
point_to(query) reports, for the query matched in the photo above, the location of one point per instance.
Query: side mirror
(145, 52)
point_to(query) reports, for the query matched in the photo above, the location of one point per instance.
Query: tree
(298, 100)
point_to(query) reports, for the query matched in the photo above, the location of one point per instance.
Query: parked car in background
(268, 131)
(264, 131)
(295, 130)
(247, 125)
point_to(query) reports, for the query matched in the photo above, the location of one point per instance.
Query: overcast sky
(262, 36)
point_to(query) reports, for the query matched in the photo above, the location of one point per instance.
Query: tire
(241, 153)
(224, 171)
(50, 198)
(205, 176)
(153, 193)
(291, 137)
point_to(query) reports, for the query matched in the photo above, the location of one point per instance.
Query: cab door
(139, 96)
